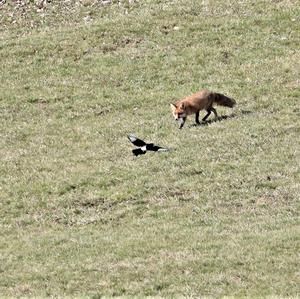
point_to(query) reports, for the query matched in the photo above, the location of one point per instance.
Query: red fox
(202, 100)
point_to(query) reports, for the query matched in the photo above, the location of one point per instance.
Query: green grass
(216, 216)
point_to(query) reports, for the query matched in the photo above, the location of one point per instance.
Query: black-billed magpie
(143, 147)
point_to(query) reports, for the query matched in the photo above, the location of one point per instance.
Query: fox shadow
(220, 118)
(213, 120)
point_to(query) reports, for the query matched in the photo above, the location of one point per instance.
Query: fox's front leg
(197, 118)
(182, 121)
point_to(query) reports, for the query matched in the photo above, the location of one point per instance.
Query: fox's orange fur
(202, 100)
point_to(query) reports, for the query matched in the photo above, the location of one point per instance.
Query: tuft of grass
(216, 216)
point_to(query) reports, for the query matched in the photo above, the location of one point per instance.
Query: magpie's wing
(156, 148)
(136, 141)
(138, 151)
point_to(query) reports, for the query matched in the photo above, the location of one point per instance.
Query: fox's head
(178, 111)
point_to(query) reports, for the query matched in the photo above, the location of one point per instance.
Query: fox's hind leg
(197, 118)
(214, 111)
(207, 115)
(211, 109)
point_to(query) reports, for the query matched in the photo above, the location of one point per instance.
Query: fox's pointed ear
(173, 106)
(182, 105)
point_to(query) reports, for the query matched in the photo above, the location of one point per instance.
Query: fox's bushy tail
(222, 100)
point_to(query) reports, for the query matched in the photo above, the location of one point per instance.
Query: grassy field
(216, 216)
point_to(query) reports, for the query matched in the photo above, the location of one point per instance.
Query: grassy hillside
(218, 215)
